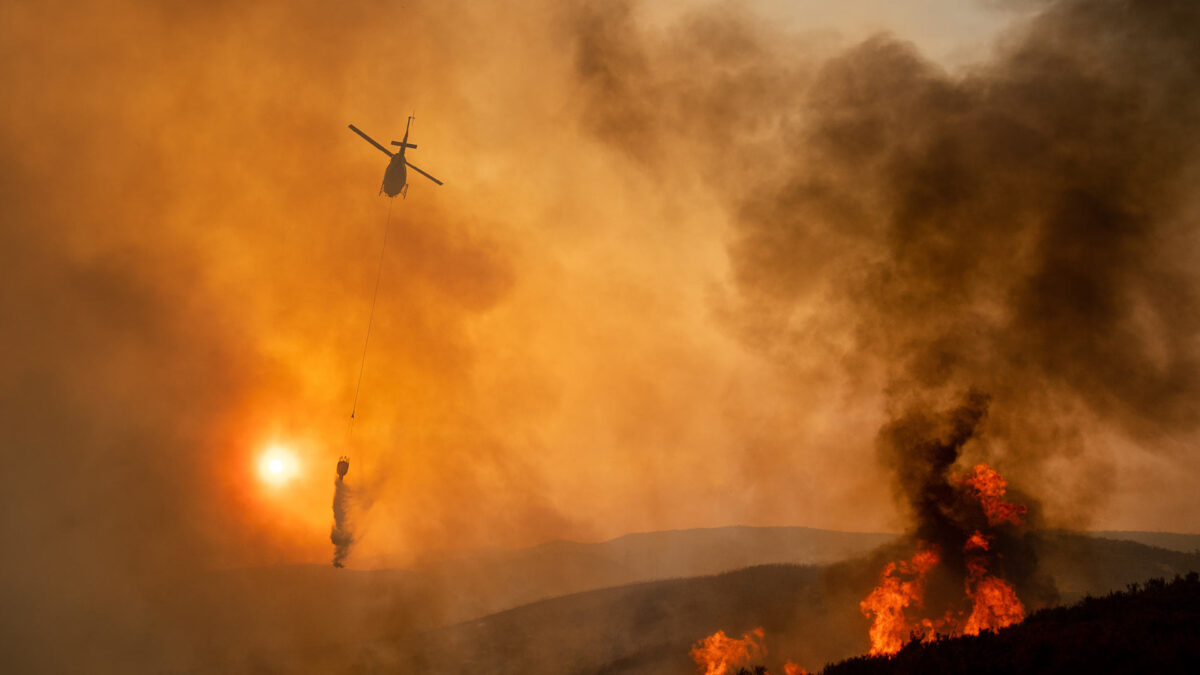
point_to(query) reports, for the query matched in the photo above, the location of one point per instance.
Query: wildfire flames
(993, 601)
(718, 653)
(790, 668)
(990, 487)
(995, 605)
(901, 585)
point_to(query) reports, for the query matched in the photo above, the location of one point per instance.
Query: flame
(989, 486)
(791, 668)
(895, 592)
(993, 601)
(976, 559)
(977, 541)
(996, 605)
(718, 653)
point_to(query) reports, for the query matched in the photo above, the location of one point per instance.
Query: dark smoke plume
(1024, 228)
(341, 534)
(923, 449)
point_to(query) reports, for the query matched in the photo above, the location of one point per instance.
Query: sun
(277, 465)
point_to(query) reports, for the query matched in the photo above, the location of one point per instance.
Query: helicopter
(395, 178)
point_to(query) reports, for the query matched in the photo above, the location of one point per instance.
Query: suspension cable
(371, 318)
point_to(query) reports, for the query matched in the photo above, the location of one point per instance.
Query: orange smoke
(989, 486)
(901, 585)
(718, 653)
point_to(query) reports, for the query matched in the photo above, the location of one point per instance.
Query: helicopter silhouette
(395, 178)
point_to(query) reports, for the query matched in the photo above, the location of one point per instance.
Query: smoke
(949, 506)
(1013, 244)
(189, 229)
(1023, 227)
(922, 448)
(341, 534)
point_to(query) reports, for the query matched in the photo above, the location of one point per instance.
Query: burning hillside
(972, 546)
(970, 538)
(719, 654)
(899, 599)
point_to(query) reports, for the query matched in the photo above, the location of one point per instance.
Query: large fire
(995, 605)
(897, 605)
(993, 601)
(901, 585)
(718, 653)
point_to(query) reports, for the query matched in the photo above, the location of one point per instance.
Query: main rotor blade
(410, 164)
(370, 140)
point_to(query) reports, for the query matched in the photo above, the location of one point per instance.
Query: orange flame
(989, 487)
(976, 549)
(889, 628)
(994, 602)
(977, 541)
(718, 653)
(791, 668)
(996, 605)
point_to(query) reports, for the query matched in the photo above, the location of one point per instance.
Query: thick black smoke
(923, 448)
(1024, 228)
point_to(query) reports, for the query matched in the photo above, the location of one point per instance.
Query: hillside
(810, 614)
(301, 617)
(1154, 628)
(1172, 541)
(493, 582)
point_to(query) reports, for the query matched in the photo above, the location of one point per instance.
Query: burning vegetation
(973, 547)
(718, 653)
(898, 600)
(971, 540)
(1107, 634)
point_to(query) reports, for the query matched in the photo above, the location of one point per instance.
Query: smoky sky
(680, 274)
(1024, 227)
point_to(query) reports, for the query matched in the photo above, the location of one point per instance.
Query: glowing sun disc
(277, 465)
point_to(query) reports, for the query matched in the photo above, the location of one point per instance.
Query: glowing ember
(989, 486)
(718, 653)
(901, 585)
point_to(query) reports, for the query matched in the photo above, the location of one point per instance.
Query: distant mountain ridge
(633, 604)
(1172, 541)
(297, 618)
(563, 567)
